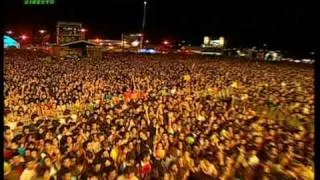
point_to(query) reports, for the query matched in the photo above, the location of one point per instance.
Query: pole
(144, 15)
(41, 40)
(58, 25)
(122, 41)
(143, 22)
(141, 40)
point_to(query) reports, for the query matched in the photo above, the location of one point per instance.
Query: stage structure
(133, 41)
(208, 42)
(75, 48)
(69, 32)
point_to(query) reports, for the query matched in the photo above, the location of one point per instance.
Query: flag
(114, 153)
(128, 96)
(224, 94)
(187, 77)
(235, 84)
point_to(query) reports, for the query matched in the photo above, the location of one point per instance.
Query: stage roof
(78, 43)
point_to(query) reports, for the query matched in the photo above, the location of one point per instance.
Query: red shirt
(7, 154)
(145, 169)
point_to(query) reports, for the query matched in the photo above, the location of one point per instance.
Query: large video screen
(39, 2)
(69, 32)
(132, 39)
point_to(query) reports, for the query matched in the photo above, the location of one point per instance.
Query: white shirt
(254, 160)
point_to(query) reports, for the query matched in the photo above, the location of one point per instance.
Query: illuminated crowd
(171, 117)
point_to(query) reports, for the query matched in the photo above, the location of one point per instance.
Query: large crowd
(170, 117)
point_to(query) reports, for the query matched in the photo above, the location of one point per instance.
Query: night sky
(288, 26)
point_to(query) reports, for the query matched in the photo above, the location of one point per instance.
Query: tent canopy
(10, 42)
(78, 44)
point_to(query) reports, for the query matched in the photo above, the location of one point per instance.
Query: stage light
(24, 37)
(152, 51)
(42, 31)
(135, 43)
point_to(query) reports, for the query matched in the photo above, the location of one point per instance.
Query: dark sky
(288, 26)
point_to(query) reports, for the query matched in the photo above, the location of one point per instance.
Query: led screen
(68, 32)
(39, 2)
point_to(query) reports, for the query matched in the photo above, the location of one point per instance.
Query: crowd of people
(170, 117)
